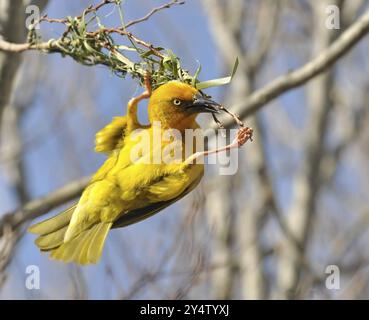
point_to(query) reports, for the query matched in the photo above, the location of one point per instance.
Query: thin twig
(129, 35)
(89, 9)
(153, 11)
(233, 115)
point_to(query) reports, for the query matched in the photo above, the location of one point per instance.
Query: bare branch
(40, 206)
(316, 66)
(89, 9)
(20, 47)
(56, 45)
(153, 11)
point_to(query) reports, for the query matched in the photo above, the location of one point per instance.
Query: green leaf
(124, 47)
(124, 60)
(195, 77)
(171, 64)
(219, 81)
(82, 24)
(147, 54)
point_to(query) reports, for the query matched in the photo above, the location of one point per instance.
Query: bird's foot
(243, 135)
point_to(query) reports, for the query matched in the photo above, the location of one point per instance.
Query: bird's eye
(177, 102)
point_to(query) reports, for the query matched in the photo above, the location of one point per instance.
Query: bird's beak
(202, 104)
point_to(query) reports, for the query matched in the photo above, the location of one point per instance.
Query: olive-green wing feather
(137, 215)
(53, 224)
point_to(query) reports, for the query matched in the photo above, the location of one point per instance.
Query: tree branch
(20, 47)
(40, 206)
(316, 66)
(94, 45)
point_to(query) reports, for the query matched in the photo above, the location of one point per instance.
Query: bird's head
(176, 105)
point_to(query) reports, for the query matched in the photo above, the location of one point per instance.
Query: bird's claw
(243, 135)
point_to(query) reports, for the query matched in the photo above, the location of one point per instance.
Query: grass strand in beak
(219, 124)
(233, 115)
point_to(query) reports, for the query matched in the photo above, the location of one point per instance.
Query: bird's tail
(84, 248)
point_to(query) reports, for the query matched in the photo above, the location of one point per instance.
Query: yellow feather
(111, 137)
(51, 240)
(84, 248)
(79, 252)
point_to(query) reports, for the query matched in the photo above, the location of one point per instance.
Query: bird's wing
(111, 137)
(137, 215)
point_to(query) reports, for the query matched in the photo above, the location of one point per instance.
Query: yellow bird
(125, 190)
